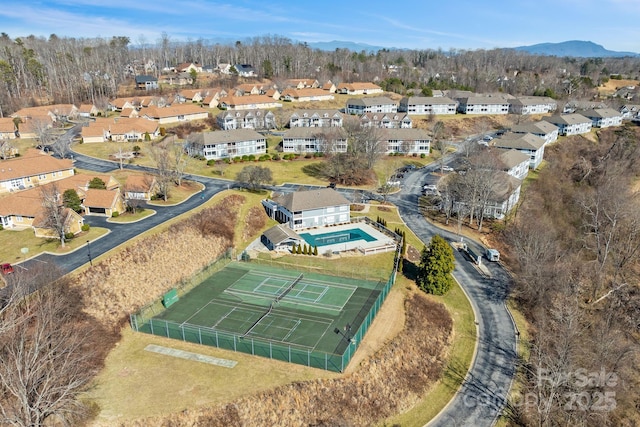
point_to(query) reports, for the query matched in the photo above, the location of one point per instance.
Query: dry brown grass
(390, 381)
(141, 272)
(610, 87)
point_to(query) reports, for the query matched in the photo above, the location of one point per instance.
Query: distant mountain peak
(340, 44)
(574, 48)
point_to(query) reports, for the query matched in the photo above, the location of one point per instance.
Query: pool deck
(380, 238)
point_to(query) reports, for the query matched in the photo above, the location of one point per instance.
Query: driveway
(482, 396)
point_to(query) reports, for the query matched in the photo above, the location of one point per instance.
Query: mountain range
(573, 48)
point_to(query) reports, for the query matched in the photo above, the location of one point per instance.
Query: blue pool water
(336, 237)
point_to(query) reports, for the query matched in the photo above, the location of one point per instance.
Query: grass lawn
(179, 194)
(132, 217)
(464, 341)
(11, 243)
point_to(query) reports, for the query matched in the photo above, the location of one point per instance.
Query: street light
(89, 253)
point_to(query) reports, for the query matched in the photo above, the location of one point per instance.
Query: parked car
(447, 168)
(6, 268)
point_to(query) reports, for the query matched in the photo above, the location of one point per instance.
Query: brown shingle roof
(31, 165)
(96, 198)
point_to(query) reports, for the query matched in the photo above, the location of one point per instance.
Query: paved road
(121, 233)
(482, 395)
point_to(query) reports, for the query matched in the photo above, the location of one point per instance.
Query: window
(16, 182)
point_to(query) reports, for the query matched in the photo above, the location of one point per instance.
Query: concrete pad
(191, 356)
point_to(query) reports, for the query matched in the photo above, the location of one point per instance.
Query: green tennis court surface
(255, 303)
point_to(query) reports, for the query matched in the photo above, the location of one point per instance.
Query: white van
(493, 255)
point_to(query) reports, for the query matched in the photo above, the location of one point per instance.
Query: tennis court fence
(144, 321)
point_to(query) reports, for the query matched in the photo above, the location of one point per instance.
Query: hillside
(574, 48)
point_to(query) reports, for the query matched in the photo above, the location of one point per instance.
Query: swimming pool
(336, 237)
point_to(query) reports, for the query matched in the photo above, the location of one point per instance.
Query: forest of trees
(38, 70)
(575, 246)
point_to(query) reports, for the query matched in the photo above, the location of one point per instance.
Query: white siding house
(533, 105)
(529, 144)
(315, 118)
(246, 119)
(407, 141)
(428, 105)
(483, 105)
(603, 117)
(227, 144)
(314, 140)
(543, 129)
(378, 104)
(570, 124)
(306, 209)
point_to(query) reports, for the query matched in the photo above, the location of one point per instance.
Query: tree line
(38, 70)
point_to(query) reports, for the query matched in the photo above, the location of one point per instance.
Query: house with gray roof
(246, 119)
(570, 124)
(407, 141)
(483, 105)
(315, 118)
(527, 143)
(543, 129)
(386, 120)
(313, 208)
(514, 162)
(378, 104)
(428, 105)
(226, 144)
(314, 140)
(281, 238)
(532, 105)
(146, 82)
(603, 117)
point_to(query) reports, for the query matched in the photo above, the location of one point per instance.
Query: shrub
(237, 159)
(245, 158)
(308, 156)
(422, 156)
(252, 158)
(211, 162)
(69, 236)
(136, 148)
(85, 227)
(275, 157)
(115, 214)
(1, 228)
(163, 131)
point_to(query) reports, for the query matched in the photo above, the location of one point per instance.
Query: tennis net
(286, 291)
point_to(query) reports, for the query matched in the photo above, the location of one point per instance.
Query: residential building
(504, 196)
(358, 88)
(306, 95)
(32, 169)
(543, 129)
(250, 102)
(527, 143)
(175, 113)
(428, 105)
(514, 162)
(301, 84)
(314, 140)
(386, 120)
(132, 130)
(248, 89)
(483, 105)
(406, 141)
(245, 70)
(570, 124)
(316, 118)
(56, 112)
(140, 187)
(88, 110)
(532, 105)
(603, 117)
(330, 87)
(379, 104)
(187, 67)
(630, 111)
(103, 202)
(146, 82)
(312, 208)
(7, 128)
(281, 238)
(574, 105)
(246, 119)
(227, 144)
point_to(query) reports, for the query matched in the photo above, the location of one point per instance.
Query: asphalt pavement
(482, 396)
(483, 393)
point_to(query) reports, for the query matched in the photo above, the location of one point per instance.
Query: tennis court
(261, 303)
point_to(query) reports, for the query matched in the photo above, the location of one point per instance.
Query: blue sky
(414, 24)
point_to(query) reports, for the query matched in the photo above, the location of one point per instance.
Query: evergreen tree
(71, 200)
(436, 264)
(97, 183)
(315, 250)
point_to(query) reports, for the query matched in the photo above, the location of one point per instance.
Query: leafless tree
(45, 359)
(55, 216)
(161, 155)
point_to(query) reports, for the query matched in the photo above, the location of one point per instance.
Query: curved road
(483, 394)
